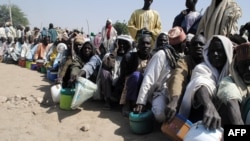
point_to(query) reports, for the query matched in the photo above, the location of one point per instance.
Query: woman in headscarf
(201, 90)
(86, 63)
(234, 90)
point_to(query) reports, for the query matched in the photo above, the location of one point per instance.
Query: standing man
(52, 33)
(109, 35)
(145, 19)
(220, 18)
(189, 18)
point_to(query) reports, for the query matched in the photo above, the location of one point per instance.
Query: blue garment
(53, 34)
(92, 66)
(133, 85)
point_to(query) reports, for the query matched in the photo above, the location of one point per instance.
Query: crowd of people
(198, 69)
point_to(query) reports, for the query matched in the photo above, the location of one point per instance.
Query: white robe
(204, 74)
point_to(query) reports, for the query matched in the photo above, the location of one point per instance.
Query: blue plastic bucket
(53, 76)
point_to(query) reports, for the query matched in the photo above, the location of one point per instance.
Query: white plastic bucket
(199, 133)
(55, 92)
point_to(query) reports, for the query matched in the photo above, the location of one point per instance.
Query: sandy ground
(24, 118)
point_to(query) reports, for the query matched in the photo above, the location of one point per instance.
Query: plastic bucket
(141, 123)
(66, 96)
(33, 66)
(43, 70)
(28, 64)
(53, 76)
(47, 73)
(21, 63)
(177, 128)
(199, 133)
(55, 93)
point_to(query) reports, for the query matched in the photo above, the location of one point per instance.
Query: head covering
(126, 38)
(176, 35)
(65, 36)
(61, 47)
(79, 39)
(228, 47)
(8, 24)
(162, 33)
(109, 20)
(189, 37)
(242, 52)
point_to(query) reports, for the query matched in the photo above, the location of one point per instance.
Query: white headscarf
(204, 74)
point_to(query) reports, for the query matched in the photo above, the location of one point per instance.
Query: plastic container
(43, 69)
(33, 66)
(177, 128)
(40, 66)
(53, 76)
(55, 92)
(66, 96)
(47, 74)
(199, 133)
(21, 63)
(28, 64)
(141, 123)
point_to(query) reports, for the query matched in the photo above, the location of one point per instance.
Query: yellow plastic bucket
(28, 64)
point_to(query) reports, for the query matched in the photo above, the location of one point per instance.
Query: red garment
(108, 32)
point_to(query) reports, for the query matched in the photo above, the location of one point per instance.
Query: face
(148, 2)
(196, 47)
(77, 47)
(243, 68)
(162, 40)
(87, 50)
(216, 54)
(190, 3)
(46, 40)
(123, 47)
(108, 23)
(144, 45)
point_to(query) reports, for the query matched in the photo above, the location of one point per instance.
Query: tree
(121, 28)
(18, 17)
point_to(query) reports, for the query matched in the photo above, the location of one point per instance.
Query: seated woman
(110, 69)
(86, 64)
(55, 54)
(233, 90)
(200, 91)
(42, 48)
(41, 51)
(70, 55)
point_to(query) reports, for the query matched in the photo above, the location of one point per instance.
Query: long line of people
(180, 74)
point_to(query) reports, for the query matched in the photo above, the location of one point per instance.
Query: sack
(84, 90)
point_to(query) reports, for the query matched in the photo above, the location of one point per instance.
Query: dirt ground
(29, 114)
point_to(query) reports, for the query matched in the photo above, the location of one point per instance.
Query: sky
(91, 15)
